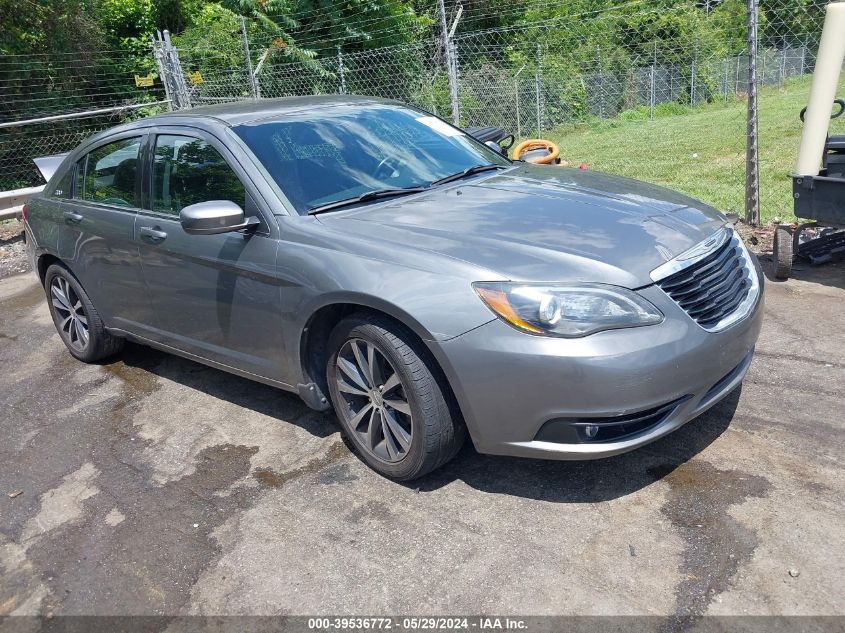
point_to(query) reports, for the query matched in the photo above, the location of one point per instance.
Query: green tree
(45, 26)
(359, 24)
(127, 24)
(791, 22)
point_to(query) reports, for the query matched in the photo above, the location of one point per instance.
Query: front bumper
(510, 385)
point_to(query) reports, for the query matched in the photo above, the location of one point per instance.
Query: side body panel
(44, 221)
(214, 296)
(96, 241)
(323, 266)
(100, 251)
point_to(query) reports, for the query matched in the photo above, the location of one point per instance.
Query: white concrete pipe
(823, 91)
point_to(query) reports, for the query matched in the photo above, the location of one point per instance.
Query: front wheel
(76, 319)
(390, 404)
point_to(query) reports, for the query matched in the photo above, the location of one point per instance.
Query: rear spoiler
(48, 165)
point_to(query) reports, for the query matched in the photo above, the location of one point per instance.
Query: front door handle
(72, 217)
(152, 234)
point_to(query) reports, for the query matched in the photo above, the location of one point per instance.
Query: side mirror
(496, 147)
(214, 216)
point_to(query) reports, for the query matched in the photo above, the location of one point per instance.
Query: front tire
(77, 321)
(390, 403)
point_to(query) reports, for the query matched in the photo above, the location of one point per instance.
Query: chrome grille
(715, 282)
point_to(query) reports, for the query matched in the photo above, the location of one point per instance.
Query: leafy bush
(670, 108)
(640, 113)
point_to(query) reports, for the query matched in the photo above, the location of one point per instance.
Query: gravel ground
(13, 260)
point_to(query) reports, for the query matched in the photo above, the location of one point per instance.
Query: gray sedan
(375, 259)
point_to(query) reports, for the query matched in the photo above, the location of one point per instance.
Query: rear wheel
(77, 321)
(390, 404)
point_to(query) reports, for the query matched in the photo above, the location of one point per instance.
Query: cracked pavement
(154, 485)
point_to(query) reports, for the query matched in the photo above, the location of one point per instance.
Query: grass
(701, 151)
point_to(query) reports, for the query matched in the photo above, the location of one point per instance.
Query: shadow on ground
(830, 274)
(286, 407)
(586, 481)
(554, 481)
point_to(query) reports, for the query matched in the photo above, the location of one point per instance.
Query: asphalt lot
(154, 485)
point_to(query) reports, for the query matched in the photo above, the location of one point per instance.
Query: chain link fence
(660, 98)
(537, 88)
(50, 103)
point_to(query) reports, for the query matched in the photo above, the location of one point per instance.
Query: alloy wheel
(72, 321)
(377, 408)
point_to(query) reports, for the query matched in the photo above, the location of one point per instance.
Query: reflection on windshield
(340, 152)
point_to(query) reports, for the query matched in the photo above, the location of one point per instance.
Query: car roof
(233, 113)
(248, 110)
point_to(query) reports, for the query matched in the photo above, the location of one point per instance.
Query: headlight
(567, 310)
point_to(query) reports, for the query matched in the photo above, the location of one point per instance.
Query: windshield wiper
(469, 171)
(364, 197)
(385, 193)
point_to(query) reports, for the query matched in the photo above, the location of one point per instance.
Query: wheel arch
(314, 338)
(44, 262)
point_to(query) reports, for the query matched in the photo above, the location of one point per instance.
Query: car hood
(543, 223)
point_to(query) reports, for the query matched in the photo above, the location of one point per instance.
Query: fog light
(591, 430)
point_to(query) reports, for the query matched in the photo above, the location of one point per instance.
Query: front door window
(188, 170)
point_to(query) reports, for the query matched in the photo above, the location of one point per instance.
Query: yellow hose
(537, 143)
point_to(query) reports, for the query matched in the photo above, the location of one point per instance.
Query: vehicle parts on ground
(496, 135)
(818, 182)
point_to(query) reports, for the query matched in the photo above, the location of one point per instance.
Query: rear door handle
(72, 217)
(152, 234)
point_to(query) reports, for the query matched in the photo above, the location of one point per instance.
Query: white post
(692, 95)
(651, 95)
(516, 96)
(451, 66)
(600, 91)
(341, 70)
(736, 75)
(181, 95)
(253, 80)
(537, 92)
(822, 91)
(158, 55)
(652, 98)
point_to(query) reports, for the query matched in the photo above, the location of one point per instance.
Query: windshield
(331, 154)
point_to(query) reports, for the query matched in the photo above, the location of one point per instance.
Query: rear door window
(108, 174)
(188, 170)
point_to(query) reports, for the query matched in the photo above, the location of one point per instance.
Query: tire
(782, 251)
(416, 399)
(83, 333)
